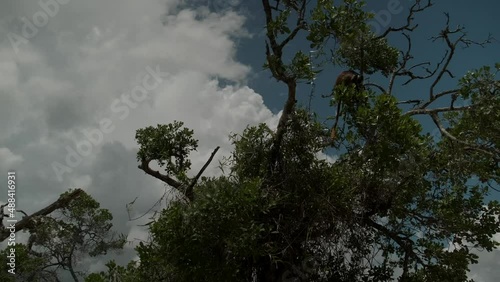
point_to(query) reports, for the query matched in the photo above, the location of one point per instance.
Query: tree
(397, 204)
(59, 241)
(27, 221)
(115, 273)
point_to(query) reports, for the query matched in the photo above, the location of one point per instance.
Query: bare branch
(301, 24)
(21, 211)
(189, 189)
(165, 178)
(416, 102)
(377, 86)
(439, 95)
(452, 46)
(438, 110)
(270, 33)
(274, 59)
(62, 202)
(403, 70)
(445, 35)
(415, 8)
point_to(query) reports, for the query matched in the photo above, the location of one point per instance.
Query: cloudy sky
(82, 76)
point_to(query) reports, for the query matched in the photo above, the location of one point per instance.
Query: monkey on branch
(345, 81)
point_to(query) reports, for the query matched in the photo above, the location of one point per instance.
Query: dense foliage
(58, 242)
(397, 203)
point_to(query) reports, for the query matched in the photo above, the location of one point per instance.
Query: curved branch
(489, 151)
(405, 243)
(277, 68)
(445, 35)
(165, 178)
(404, 70)
(281, 130)
(376, 86)
(439, 95)
(415, 8)
(277, 48)
(452, 46)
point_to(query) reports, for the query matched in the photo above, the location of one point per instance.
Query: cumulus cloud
(63, 80)
(60, 85)
(9, 160)
(487, 270)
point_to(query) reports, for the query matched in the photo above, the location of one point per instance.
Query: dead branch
(417, 7)
(409, 71)
(189, 189)
(439, 72)
(25, 223)
(188, 192)
(445, 35)
(163, 177)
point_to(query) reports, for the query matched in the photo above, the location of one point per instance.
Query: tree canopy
(396, 204)
(59, 241)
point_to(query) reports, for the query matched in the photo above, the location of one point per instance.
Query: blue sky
(479, 21)
(69, 106)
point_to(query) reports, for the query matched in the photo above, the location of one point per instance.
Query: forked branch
(188, 191)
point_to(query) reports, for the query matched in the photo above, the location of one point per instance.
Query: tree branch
(403, 70)
(489, 151)
(189, 189)
(165, 178)
(277, 68)
(415, 8)
(281, 130)
(371, 84)
(24, 223)
(438, 110)
(439, 95)
(405, 243)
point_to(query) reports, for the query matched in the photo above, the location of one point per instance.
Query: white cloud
(488, 268)
(65, 78)
(8, 160)
(326, 157)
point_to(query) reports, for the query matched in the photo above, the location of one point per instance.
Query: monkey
(349, 77)
(346, 79)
